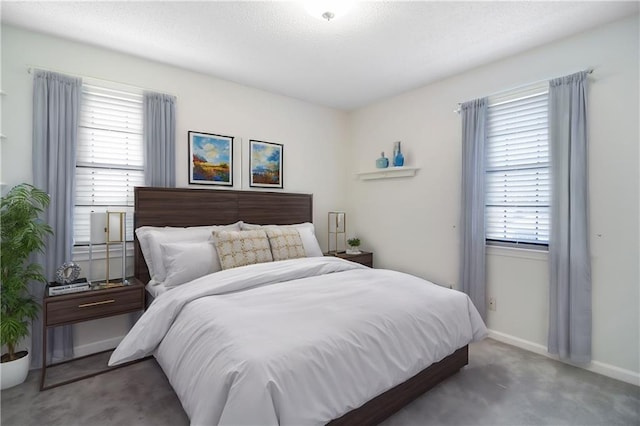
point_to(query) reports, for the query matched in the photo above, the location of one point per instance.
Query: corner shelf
(388, 173)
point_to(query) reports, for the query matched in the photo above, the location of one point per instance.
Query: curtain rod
(522, 86)
(30, 69)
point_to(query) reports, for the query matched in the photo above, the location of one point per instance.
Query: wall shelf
(388, 173)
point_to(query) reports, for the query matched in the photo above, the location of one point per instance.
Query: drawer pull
(103, 302)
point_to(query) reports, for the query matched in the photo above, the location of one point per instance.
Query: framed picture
(210, 159)
(265, 164)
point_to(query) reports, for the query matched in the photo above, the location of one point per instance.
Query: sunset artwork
(266, 164)
(210, 159)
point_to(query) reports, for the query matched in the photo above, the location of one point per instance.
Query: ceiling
(378, 49)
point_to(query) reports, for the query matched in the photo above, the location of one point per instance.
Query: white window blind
(517, 168)
(109, 159)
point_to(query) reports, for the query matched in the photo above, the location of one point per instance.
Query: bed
(301, 341)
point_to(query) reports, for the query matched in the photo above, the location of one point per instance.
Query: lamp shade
(98, 226)
(115, 227)
(337, 222)
(337, 227)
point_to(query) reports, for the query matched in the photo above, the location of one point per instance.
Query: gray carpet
(502, 385)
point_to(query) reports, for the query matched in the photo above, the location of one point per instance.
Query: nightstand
(88, 305)
(364, 258)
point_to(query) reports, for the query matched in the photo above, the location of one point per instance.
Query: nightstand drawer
(93, 304)
(364, 258)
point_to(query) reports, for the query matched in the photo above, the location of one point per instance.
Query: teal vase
(382, 162)
(398, 158)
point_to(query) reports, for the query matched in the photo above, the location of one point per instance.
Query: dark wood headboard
(197, 207)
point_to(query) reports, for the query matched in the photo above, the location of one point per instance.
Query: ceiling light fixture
(328, 15)
(327, 10)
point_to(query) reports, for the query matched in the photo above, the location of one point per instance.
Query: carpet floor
(502, 385)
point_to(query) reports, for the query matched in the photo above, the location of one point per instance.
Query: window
(517, 191)
(109, 159)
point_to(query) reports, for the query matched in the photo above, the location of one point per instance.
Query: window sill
(81, 253)
(521, 253)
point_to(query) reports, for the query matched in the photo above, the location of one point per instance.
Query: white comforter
(297, 342)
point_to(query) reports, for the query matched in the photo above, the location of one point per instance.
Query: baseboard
(99, 346)
(598, 367)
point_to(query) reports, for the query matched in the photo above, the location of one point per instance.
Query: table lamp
(337, 230)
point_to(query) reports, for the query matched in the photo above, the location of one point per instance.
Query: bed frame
(197, 207)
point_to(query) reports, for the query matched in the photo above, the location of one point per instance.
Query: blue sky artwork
(265, 156)
(211, 149)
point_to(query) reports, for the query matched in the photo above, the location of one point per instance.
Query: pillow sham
(151, 237)
(307, 235)
(184, 262)
(285, 243)
(240, 248)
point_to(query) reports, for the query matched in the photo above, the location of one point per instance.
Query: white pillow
(309, 241)
(143, 233)
(151, 237)
(184, 262)
(307, 235)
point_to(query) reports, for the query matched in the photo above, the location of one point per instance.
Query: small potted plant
(354, 245)
(23, 233)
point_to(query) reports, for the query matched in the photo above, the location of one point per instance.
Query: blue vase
(382, 162)
(398, 158)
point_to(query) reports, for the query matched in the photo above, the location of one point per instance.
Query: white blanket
(297, 342)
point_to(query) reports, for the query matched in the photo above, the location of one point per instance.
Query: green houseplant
(354, 245)
(23, 233)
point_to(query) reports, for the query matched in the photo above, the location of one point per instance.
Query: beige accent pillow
(285, 243)
(240, 248)
(307, 235)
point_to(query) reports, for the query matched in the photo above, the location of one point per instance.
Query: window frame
(130, 95)
(505, 98)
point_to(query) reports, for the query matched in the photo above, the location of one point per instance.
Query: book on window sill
(66, 289)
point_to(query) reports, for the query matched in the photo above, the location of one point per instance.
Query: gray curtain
(472, 264)
(159, 140)
(569, 258)
(56, 106)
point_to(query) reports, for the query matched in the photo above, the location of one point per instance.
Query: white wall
(411, 223)
(313, 137)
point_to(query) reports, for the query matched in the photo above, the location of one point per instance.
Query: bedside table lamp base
(109, 229)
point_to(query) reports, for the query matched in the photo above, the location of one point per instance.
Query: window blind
(109, 156)
(517, 191)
